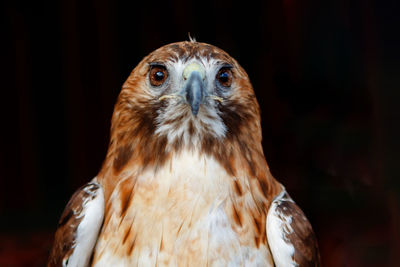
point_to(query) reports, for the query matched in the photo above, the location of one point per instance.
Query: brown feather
(302, 237)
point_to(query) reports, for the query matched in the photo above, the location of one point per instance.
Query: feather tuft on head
(191, 39)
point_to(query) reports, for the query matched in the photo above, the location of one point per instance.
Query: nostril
(189, 96)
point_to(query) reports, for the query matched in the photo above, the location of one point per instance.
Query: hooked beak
(195, 90)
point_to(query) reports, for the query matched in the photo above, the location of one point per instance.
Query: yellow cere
(194, 67)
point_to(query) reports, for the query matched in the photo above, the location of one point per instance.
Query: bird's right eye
(158, 75)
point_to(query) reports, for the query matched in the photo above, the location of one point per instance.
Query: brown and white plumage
(79, 227)
(185, 180)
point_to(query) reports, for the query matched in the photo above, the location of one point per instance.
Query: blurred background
(326, 74)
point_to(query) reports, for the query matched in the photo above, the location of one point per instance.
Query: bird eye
(224, 77)
(158, 75)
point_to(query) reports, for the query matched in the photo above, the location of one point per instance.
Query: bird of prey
(185, 181)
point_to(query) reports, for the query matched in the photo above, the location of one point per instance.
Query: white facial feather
(208, 120)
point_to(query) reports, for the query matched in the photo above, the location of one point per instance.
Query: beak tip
(195, 110)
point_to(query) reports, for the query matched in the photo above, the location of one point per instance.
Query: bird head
(185, 95)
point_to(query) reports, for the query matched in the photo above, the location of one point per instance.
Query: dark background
(326, 74)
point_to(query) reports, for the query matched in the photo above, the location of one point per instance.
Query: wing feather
(290, 236)
(78, 227)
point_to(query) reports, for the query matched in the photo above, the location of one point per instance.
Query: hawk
(185, 181)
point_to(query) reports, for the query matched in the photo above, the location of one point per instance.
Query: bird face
(195, 88)
(186, 94)
(191, 92)
(192, 84)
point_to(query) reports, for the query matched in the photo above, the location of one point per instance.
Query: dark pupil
(159, 76)
(224, 77)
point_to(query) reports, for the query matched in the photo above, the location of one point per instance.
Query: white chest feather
(177, 216)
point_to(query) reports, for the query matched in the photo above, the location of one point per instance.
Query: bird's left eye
(158, 75)
(224, 77)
